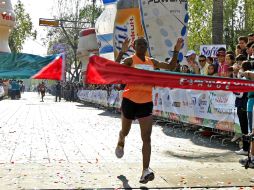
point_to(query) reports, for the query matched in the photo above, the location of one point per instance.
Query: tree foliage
(237, 20)
(200, 23)
(22, 30)
(75, 16)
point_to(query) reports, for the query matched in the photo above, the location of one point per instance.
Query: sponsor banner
(127, 24)
(114, 99)
(213, 109)
(210, 50)
(189, 106)
(163, 23)
(94, 96)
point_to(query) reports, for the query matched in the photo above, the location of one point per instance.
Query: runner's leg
(146, 124)
(126, 126)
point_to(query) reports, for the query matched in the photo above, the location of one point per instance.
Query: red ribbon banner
(103, 71)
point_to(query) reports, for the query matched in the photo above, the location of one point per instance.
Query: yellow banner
(127, 24)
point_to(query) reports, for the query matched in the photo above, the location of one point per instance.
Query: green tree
(230, 21)
(22, 30)
(249, 15)
(200, 23)
(238, 18)
(74, 18)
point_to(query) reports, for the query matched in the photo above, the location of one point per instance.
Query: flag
(103, 71)
(25, 66)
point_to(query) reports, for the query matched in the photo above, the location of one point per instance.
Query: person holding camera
(241, 105)
(248, 74)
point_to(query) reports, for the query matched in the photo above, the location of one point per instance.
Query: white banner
(215, 109)
(203, 104)
(163, 23)
(210, 50)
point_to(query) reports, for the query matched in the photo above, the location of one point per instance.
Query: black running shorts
(132, 110)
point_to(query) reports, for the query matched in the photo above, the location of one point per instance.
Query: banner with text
(210, 50)
(210, 109)
(205, 108)
(127, 24)
(163, 23)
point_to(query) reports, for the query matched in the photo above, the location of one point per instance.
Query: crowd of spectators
(66, 90)
(225, 64)
(12, 88)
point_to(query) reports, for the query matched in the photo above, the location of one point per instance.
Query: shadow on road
(109, 113)
(125, 181)
(203, 149)
(202, 138)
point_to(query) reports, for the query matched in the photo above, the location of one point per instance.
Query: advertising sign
(210, 50)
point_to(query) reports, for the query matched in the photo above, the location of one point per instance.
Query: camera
(248, 138)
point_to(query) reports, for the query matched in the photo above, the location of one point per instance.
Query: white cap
(189, 53)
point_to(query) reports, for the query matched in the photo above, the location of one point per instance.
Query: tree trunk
(217, 22)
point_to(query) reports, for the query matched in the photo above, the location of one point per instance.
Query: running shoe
(242, 152)
(147, 175)
(119, 151)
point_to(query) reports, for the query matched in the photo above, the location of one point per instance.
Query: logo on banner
(210, 50)
(221, 99)
(177, 104)
(203, 103)
(124, 31)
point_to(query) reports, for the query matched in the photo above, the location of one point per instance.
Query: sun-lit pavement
(66, 145)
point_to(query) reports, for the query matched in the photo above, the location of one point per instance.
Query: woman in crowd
(238, 50)
(184, 69)
(211, 70)
(230, 59)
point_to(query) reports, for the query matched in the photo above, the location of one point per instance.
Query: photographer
(250, 160)
(241, 105)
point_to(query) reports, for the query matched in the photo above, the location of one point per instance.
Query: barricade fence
(212, 109)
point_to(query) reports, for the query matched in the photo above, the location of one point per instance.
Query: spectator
(230, 72)
(223, 67)
(231, 53)
(251, 37)
(242, 41)
(241, 105)
(184, 69)
(42, 89)
(252, 57)
(211, 70)
(192, 63)
(238, 50)
(249, 75)
(230, 59)
(203, 65)
(209, 60)
(58, 91)
(249, 50)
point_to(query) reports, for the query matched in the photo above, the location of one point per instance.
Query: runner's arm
(173, 63)
(124, 49)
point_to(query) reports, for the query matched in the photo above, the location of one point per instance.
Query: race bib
(144, 67)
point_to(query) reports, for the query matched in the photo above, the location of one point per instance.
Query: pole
(93, 24)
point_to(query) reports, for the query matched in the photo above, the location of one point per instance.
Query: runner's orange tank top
(139, 93)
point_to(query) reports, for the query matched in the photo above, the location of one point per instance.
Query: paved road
(65, 145)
